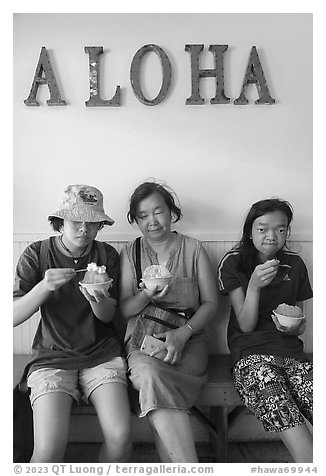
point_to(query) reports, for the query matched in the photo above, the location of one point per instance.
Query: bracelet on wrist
(190, 327)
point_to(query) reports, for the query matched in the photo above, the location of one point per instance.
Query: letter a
(44, 75)
(255, 75)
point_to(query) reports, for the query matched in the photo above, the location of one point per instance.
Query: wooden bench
(218, 394)
(224, 403)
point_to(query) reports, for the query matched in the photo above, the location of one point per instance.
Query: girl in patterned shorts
(270, 370)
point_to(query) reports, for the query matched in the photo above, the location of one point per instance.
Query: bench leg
(219, 417)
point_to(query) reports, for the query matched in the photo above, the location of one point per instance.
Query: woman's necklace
(75, 258)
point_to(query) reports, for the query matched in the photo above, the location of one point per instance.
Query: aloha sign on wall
(44, 75)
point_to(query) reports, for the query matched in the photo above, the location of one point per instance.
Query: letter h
(197, 74)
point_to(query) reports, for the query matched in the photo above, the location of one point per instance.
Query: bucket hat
(82, 203)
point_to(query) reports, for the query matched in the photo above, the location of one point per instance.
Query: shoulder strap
(102, 252)
(44, 248)
(138, 260)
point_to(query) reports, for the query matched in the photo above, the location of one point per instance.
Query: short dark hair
(145, 190)
(57, 223)
(260, 208)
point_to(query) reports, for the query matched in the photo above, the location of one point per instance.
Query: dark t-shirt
(69, 335)
(289, 286)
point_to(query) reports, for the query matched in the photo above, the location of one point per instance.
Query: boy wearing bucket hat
(76, 351)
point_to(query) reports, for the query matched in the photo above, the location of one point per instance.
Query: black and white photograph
(162, 249)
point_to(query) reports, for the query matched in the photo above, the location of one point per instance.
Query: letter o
(135, 71)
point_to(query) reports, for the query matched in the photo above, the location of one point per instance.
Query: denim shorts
(77, 383)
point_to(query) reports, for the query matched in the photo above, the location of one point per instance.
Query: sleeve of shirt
(27, 270)
(113, 270)
(228, 279)
(305, 290)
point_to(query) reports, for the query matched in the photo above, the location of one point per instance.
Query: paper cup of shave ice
(289, 316)
(96, 279)
(91, 288)
(156, 277)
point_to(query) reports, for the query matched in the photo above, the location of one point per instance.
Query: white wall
(218, 158)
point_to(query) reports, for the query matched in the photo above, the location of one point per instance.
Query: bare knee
(119, 437)
(117, 446)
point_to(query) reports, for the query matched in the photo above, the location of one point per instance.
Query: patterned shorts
(277, 390)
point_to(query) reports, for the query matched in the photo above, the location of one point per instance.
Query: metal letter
(196, 74)
(44, 67)
(94, 88)
(255, 75)
(134, 74)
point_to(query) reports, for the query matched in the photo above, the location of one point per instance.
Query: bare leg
(299, 443)
(51, 417)
(173, 436)
(112, 406)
